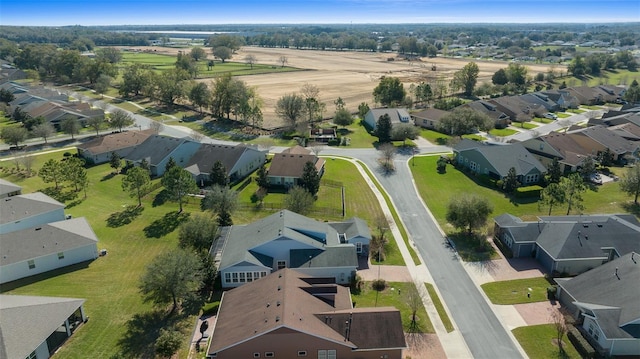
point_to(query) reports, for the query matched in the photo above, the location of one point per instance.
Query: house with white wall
(239, 161)
(28, 210)
(397, 115)
(157, 150)
(46, 247)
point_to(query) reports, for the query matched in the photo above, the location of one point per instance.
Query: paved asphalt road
(484, 334)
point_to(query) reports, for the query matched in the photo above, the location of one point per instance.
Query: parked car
(551, 116)
(595, 178)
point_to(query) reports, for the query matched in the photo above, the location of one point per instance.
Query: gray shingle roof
(207, 154)
(613, 298)
(503, 157)
(46, 239)
(243, 241)
(155, 149)
(7, 187)
(566, 238)
(28, 321)
(26, 205)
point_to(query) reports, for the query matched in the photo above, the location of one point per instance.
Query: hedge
(528, 191)
(580, 343)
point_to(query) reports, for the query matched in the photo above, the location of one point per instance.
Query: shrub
(580, 343)
(529, 191)
(551, 292)
(379, 284)
(499, 184)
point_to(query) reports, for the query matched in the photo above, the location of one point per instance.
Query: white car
(595, 178)
(551, 116)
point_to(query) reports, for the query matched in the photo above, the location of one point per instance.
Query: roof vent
(39, 228)
(279, 288)
(268, 305)
(277, 318)
(278, 303)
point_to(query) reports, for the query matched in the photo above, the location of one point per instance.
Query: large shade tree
(466, 78)
(291, 108)
(178, 182)
(630, 183)
(135, 181)
(389, 91)
(468, 212)
(171, 277)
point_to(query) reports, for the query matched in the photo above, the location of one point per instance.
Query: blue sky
(144, 12)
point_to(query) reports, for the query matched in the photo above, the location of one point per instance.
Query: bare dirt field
(350, 75)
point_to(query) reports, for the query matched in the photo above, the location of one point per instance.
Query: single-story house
(289, 240)
(289, 314)
(517, 109)
(99, 149)
(538, 98)
(397, 115)
(158, 149)
(563, 98)
(239, 161)
(597, 139)
(46, 247)
(35, 327)
(570, 245)
(569, 152)
(28, 210)
(287, 167)
(8, 189)
(428, 118)
(500, 119)
(496, 160)
(586, 95)
(605, 302)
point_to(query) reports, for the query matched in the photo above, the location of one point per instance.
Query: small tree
(135, 181)
(283, 60)
(383, 129)
(52, 171)
(96, 123)
(120, 119)
(14, 135)
(198, 233)
(553, 171)
(178, 182)
(560, 326)
(468, 212)
(218, 174)
(511, 181)
(298, 200)
(342, 117)
(156, 127)
(552, 195)
(171, 277)
(414, 299)
(630, 183)
(261, 177)
(168, 343)
(442, 165)
(44, 130)
(115, 162)
(74, 172)
(363, 108)
(223, 201)
(310, 178)
(250, 59)
(387, 154)
(573, 187)
(70, 126)
(587, 168)
(170, 164)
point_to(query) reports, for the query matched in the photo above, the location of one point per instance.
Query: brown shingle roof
(288, 298)
(116, 141)
(292, 165)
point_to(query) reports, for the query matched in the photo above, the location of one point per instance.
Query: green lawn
(543, 120)
(591, 107)
(438, 138)
(563, 115)
(538, 341)
(502, 132)
(110, 283)
(358, 135)
(439, 307)
(395, 295)
(515, 291)
(437, 189)
(160, 62)
(526, 125)
(576, 110)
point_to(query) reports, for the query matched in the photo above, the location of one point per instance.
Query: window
(32, 264)
(269, 354)
(302, 353)
(331, 354)
(322, 354)
(256, 275)
(263, 274)
(242, 278)
(227, 277)
(358, 247)
(249, 277)
(327, 354)
(282, 264)
(60, 255)
(235, 277)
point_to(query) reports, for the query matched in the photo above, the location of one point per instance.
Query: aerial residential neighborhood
(458, 185)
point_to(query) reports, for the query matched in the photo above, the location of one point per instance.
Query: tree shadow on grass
(60, 194)
(472, 248)
(631, 207)
(160, 198)
(165, 225)
(127, 216)
(107, 177)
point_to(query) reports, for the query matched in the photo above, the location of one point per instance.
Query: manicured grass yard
(395, 295)
(515, 291)
(538, 341)
(438, 138)
(110, 283)
(543, 120)
(501, 132)
(526, 125)
(563, 115)
(439, 307)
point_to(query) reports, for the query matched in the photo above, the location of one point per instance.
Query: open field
(350, 75)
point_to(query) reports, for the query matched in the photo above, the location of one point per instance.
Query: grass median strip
(439, 307)
(396, 218)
